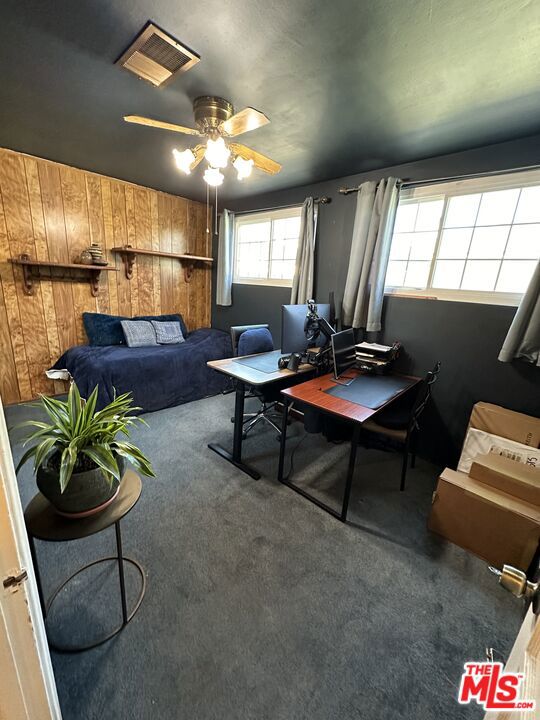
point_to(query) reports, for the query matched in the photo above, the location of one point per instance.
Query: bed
(159, 376)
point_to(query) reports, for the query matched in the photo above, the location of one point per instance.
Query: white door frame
(524, 658)
(27, 685)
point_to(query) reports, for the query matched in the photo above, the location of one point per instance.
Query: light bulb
(217, 153)
(213, 176)
(184, 160)
(243, 167)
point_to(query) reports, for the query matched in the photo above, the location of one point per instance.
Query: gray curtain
(523, 339)
(225, 263)
(363, 296)
(302, 287)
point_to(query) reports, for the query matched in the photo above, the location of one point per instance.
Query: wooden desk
(313, 393)
(247, 376)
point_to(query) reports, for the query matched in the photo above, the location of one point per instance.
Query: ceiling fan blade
(198, 151)
(138, 120)
(244, 121)
(261, 161)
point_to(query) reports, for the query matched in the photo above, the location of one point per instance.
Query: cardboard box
(517, 479)
(496, 420)
(478, 442)
(494, 526)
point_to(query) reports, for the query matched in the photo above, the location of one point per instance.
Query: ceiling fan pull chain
(207, 209)
(216, 227)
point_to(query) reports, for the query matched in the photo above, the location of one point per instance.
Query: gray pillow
(138, 333)
(168, 333)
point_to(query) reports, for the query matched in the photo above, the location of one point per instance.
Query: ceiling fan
(216, 121)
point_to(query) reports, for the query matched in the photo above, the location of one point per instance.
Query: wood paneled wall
(53, 212)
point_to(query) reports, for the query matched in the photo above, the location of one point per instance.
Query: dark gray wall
(466, 337)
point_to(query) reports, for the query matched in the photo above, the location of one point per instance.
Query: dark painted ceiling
(348, 86)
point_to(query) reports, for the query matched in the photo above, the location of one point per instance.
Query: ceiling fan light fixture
(217, 153)
(243, 167)
(184, 160)
(213, 176)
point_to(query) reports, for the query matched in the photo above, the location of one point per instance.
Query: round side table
(44, 523)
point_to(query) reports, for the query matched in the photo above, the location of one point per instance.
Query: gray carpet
(261, 606)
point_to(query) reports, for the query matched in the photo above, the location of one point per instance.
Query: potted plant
(78, 457)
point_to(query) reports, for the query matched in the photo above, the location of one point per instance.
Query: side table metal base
(125, 616)
(45, 524)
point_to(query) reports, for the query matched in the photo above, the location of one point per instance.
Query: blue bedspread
(159, 377)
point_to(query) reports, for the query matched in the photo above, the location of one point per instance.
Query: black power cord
(289, 475)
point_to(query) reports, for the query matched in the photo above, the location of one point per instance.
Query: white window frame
(263, 216)
(447, 190)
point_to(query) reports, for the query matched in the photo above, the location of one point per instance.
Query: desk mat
(265, 362)
(371, 391)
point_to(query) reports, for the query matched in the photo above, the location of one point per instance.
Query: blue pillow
(256, 340)
(104, 329)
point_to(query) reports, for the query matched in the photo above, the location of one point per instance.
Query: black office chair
(400, 422)
(267, 396)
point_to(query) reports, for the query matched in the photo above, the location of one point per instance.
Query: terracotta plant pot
(87, 493)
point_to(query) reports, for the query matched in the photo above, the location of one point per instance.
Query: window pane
(250, 258)
(405, 217)
(515, 275)
(455, 243)
(448, 274)
(422, 245)
(254, 232)
(528, 209)
(254, 268)
(489, 242)
(286, 227)
(401, 245)
(524, 242)
(429, 215)
(497, 207)
(480, 275)
(266, 245)
(252, 249)
(282, 269)
(417, 274)
(395, 275)
(284, 249)
(462, 211)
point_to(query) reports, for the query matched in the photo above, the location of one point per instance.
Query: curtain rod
(348, 190)
(324, 200)
(407, 182)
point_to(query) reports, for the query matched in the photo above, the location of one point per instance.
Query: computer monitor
(293, 317)
(344, 354)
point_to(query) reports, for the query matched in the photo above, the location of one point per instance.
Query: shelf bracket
(28, 279)
(188, 269)
(128, 259)
(94, 282)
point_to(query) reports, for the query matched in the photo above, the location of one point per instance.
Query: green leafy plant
(78, 438)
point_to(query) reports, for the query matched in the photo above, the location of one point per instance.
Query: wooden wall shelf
(32, 270)
(128, 255)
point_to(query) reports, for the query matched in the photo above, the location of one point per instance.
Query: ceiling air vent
(156, 56)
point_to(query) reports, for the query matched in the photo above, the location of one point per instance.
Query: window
(265, 247)
(474, 240)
